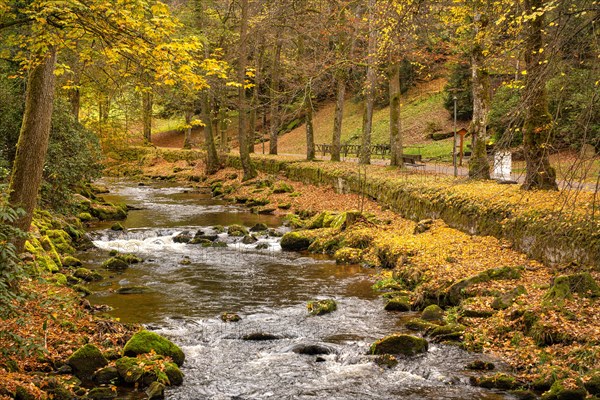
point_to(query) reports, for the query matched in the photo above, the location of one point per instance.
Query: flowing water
(187, 287)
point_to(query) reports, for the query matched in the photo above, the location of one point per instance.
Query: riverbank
(540, 318)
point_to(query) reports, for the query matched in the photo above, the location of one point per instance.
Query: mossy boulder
(295, 241)
(106, 375)
(71, 262)
(345, 219)
(129, 258)
(293, 221)
(480, 365)
(560, 390)
(398, 304)
(418, 324)
(87, 275)
(397, 343)
(237, 230)
(565, 285)
(129, 369)
(108, 212)
(62, 240)
(282, 187)
(102, 393)
(230, 317)
(118, 227)
(259, 227)
(59, 279)
(183, 237)
(115, 264)
(174, 374)
(433, 313)
(448, 332)
(85, 216)
(456, 292)
(497, 381)
(86, 360)
(156, 391)
(320, 307)
(348, 255)
(505, 300)
(145, 341)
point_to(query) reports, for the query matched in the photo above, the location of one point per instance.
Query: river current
(186, 288)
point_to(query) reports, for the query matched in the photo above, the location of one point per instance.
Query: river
(188, 287)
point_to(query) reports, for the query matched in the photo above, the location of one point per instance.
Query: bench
(413, 160)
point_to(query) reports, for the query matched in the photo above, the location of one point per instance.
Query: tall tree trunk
(223, 139)
(479, 166)
(274, 97)
(103, 108)
(336, 140)
(249, 171)
(212, 158)
(310, 133)
(538, 122)
(147, 102)
(395, 121)
(75, 100)
(187, 138)
(32, 146)
(371, 81)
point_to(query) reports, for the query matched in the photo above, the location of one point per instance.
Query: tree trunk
(187, 138)
(223, 130)
(249, 171)
(479, 166)
(32, 146)
(371, 81)
(75, 100)
(538, 122)
(274, 95)
(336, 141)
(310, 136)
(395, 121)
(147, 116)
(212, 158)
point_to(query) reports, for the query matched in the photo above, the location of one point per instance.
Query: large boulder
(400, 303)
(295, 241)
(145, 341)
(583, 284)
(237, 230)
(86, 360)
(433, 313)
(397, 343)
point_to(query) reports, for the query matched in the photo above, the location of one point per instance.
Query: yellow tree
(139, 31)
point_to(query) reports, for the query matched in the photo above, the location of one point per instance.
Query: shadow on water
(185, 287)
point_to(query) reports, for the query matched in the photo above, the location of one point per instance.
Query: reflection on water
(187, 286)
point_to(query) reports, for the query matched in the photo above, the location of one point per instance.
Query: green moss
(407, 345)
(295, 241)
(282, 187)
(558, 391)
(50, 250)
(592, 382)
(498, 381)
(115, 264)
(398, 304)
(85, 216)
(86, 360)
(237, 230)
(108, 212)
(565, 285)
(62, 241)
(433, 313)
(448, 332)
(348, 255)
(87, 275)
(174, 374)
(129, 369)
(320, 307)
(293, 221)
(70, 261)
(59, 279)
(145, 341)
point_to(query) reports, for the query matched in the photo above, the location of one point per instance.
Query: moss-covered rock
(237, 230)
(505, 300)
(407, 345)
(85, 216)
(565, 285)
(115, 264)
(156, 391)
(230, 317)
(129, 258)
(259, 227)
(87, 275)
(129, 369)
(58, 278)
(295, 241)
(71, 262)
(86, 360)
(108, 212)
(480, 365)
(106, 375)
(448, 332)
(561, 390)
(591, 382)
(456, 292)
(433, 313)
(320, 307)
(398, 304)
(282, 187)
(348, 255)
(418, 324)
(62, 240)
(386, 361)
(145, 341)
(174, 374)
(293, 221)
(81, 289)
(102, 393)
(497, 381)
